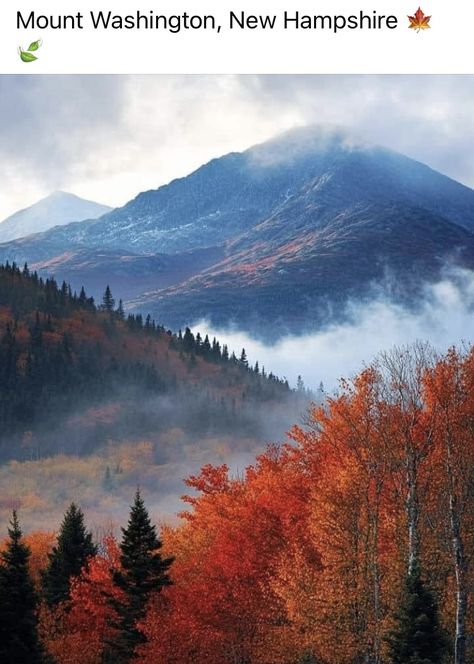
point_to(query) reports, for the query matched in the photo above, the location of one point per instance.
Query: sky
(107, 138)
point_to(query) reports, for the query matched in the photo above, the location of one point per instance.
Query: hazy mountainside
(129, 273)
(306, 282)
(275, 239)
(74, 376)
(58, 209)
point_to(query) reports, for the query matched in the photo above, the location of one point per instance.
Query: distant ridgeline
(61, 355)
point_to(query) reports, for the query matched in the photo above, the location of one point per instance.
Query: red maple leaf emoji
(419, 21)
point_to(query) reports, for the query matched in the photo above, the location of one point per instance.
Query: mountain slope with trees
(62, 357)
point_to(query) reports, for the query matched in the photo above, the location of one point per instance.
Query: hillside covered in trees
(73, 375)
(94, 402)
(352, 544)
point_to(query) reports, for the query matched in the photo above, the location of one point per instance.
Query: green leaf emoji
(25, 56)
(34, 46)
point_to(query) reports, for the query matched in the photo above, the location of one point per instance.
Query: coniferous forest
(351, 543)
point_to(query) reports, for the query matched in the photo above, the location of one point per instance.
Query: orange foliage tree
(77, 630)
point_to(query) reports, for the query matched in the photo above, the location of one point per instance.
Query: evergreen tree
(206, 347)
(143, 572)
(74, 547)
(120, 312)
(19, 642)
(198, 343)
(188, 340)
(108, 301)
(216, 350)
(417, 637)
(82, 297)
(243, 359)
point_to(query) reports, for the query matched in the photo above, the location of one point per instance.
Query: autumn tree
(19, 643)
(73, 550)
(409, 434)
(77, 630)
(450, 396)
(143, 572)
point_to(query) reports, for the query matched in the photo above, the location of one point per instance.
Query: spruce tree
(120, 311)
(307, 658)
(417, 637)
(108, 301)
(74, 547)
(19, 643)
(206, 346)
(143, 572)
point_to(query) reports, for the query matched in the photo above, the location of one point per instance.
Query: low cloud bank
(446, 317)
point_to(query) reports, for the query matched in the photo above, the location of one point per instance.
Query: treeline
(59, 351)
(352, 544)
(24, 292)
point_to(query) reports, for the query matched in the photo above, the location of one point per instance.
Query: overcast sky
(109, 137)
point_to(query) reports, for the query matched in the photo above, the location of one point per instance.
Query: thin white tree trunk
(459, 559)
(413, 512)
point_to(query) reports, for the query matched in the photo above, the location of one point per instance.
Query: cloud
(429, 118)
(51, 130)
(445, 318)
(109, 137)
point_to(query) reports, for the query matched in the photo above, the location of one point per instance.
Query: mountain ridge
(286, 229)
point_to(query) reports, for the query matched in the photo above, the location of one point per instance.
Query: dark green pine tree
(19, 643)
(243, 359)
(108, 301)
(307, 658)
(120, 311)
(74, 547)
(417, 637)
(143, 572)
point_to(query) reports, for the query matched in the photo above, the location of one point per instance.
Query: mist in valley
(101, 449)
(444, 316)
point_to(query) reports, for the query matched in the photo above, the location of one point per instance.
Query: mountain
(58, 209)
(306, 282)
(275, 240)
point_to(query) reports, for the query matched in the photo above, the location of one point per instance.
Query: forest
(61, 355)
(350, 544)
